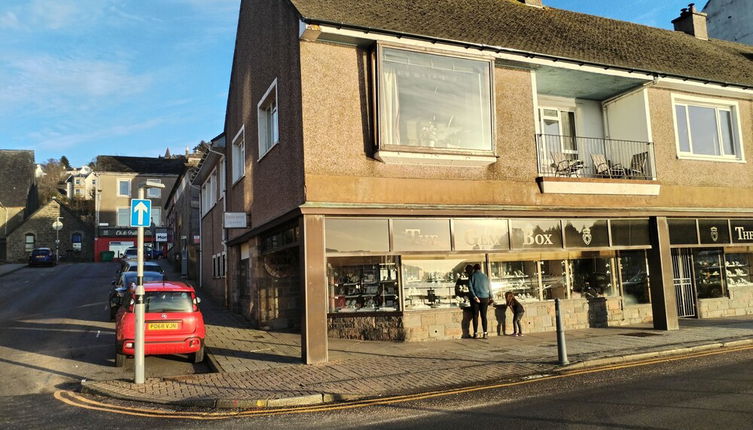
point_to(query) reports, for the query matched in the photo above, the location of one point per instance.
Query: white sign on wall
(161, 237)
(235, 220)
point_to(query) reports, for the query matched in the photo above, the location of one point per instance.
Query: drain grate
(641, 334)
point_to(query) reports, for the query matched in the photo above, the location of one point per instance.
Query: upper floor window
(29, 242)
(707, 129)
(124, 187)
(558, 128)
(209, 192)
(269, 134)
(154, 193)
(239, 155)
(124, 217)
(157, 216)
(437, 102)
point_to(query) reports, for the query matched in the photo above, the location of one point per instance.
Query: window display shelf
(364, 288)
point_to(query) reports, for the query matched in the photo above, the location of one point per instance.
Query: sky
(83, 78)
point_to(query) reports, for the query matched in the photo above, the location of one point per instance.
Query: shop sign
(357, 235)
(683, 231)
(481, 234)
(586, 233)
(713, 231)
(161, 237)
(742, 231)
(235, 220)
(630, 232)
(119, 232)
(421, 234)
(535, 234)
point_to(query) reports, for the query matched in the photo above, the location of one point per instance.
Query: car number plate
(163, 326)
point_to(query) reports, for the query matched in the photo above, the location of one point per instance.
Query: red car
(174, 324)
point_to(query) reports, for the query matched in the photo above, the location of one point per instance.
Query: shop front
(394, 278)
(118, 239)
(711, 261)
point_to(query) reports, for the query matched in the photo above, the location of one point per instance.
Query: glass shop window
(429, 282)
(635, 279)
(363, 284)
(592, 277)
(709, 268)
(519, 277)
(737, 269)
(553, 279)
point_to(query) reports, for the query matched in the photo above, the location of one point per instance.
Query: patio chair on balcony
(564, 166)
(605, 168)
(639, 166)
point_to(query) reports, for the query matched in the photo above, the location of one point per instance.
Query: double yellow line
(74, 399)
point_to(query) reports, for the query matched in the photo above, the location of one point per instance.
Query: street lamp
(138, 357)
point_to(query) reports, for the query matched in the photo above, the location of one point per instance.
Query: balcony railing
(588, 157)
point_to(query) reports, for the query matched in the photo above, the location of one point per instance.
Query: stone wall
(620, 315)
(366, 327)
(740, 302)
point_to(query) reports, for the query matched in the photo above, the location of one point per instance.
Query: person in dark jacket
(517, 313)
(463, 294)
(480, 294)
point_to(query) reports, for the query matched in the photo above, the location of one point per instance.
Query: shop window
(434, 102)
(707, 129)
(519, 277)
(737, 270)
(635, 279)
(683, 231)
(592, 277)
(269, 133)
(363, 284)
(553, 279)
(630, 232)
(357, 235)
(29, 240)
(708, 270)
(429, 282)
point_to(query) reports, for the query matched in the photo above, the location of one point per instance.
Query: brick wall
(739, 303)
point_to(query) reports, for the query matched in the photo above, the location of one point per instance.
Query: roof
(510, 24)
(167, 286)
(117, 163)
(16, 176)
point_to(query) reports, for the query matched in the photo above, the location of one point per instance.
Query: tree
(65, 163)
(50, 185)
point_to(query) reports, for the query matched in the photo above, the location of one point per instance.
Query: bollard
(561, 347)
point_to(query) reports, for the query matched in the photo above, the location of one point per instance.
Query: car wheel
(198, 356)
(119, 358)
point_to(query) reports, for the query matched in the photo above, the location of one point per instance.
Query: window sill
(455, 160)
(691, 157)
(628, 187)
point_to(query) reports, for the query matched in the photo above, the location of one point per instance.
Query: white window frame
(33, 243)
(117, 187)
(154, 193)
(209, 192)
(239, 155)
(158, 221)
(268, 117)
(717, 104)
(128, 216)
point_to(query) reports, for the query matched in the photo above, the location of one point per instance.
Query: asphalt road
(54, 331)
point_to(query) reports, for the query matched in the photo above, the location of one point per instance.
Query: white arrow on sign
(141, 209)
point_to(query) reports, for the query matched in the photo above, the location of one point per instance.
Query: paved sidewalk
(263, 369)
(8, 268)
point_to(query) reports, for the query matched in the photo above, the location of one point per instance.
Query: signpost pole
(139, 306)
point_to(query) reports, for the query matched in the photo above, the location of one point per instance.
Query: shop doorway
(682, 268)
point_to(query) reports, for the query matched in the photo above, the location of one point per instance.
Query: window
(124, 217)
(154, 193)
(29, 242)
(239, 155)
(558, 128)
(222, 178)
(707, 129)
(434, 101)
(209, 192)
(78, 181)
(157, 216)
(124, 187)
(77, 191)
(269, 134)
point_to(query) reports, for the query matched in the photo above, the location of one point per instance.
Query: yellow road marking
(74, 399)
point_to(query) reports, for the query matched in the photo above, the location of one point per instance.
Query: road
(53, 332)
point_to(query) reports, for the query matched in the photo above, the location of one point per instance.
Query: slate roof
(548, 31)
(16, 176)
(117, 163)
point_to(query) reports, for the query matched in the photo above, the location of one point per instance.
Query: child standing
(517, 313)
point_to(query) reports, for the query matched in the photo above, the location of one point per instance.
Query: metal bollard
(561, 347)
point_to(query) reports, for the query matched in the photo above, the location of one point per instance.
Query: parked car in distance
(130, 254)
(174, 323)
(126, 281)
(42, 257)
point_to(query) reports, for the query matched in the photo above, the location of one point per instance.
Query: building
(730, 20)
(81, 184)
(118, 181)
(182, 221)
(18, 192)
(209, 178)
(378, 147)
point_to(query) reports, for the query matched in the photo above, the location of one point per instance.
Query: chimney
(692, 22)
(535, 3)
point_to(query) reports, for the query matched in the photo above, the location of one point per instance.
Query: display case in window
(519, 277)
(553, 279)
(363, 287)
(709, 273)
(429, 283)
(737, 270)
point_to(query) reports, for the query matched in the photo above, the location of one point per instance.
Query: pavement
(8, 268)
(261, 369)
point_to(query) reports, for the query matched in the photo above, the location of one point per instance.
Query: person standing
(517, 313)
(462, 292)
(480, 294)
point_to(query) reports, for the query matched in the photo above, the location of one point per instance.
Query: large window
(707, 129)
(429, 281)
(124, 217)
(434, 101)
(269, 134)
(124, 187)
(239, 155)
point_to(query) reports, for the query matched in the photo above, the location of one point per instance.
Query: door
(682, 267)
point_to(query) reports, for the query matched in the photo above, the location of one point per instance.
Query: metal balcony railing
(589, 157)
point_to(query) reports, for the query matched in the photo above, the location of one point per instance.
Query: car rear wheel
(198, 356)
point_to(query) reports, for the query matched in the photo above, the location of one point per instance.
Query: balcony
(605, 166)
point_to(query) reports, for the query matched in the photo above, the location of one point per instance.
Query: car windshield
(168, 301)
(130, 252)
(130, 277)
(147, 267)
(41, 252)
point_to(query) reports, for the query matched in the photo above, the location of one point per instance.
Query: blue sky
(83, 78)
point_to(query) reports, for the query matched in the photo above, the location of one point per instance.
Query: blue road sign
(141, 212)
